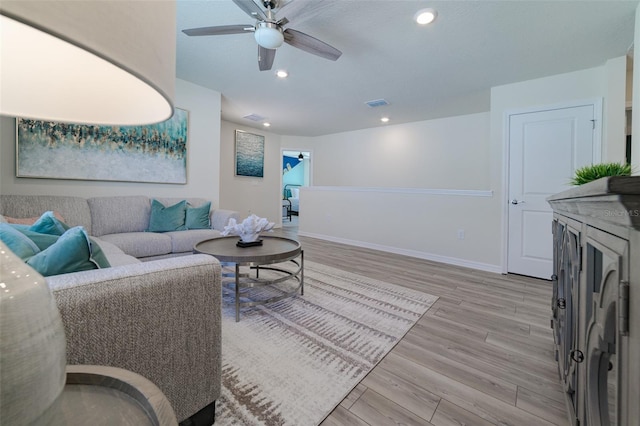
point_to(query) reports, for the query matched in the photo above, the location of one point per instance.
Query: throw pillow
(165, 219)
(30, 220)
(17, 242)
(70, 253)
(49, 224)
(198, 217)
(42, 241)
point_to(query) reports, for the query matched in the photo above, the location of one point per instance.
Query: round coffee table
(273, 250)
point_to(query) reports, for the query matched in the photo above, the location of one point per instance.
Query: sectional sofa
(155, 311)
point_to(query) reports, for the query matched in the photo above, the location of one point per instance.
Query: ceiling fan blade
(265, 58)
(311, 44)
(299, 11)
(219, 30)
(251, 9)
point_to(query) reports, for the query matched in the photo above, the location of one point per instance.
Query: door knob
(514, 201)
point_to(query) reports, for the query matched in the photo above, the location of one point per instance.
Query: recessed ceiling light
(282, 74)
(266, 124)
(385, 119)
(426, 16)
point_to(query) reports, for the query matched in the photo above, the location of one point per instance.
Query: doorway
(545, 147)
(296, 174)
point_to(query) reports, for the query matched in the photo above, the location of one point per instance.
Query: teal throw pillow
(43, 241)
(49, 224)
(198, 217)
(165, 219)
(17, 242)
(70, 253)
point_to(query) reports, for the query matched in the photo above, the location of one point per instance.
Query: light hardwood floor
(482, 355)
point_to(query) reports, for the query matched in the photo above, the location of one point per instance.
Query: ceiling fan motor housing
(270, 4)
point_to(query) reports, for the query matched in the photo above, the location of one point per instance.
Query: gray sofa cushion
(116, 215)
(115, 256)
(183, 241)
(140, 244)
(74, 210)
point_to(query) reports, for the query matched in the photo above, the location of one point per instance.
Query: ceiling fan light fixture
(426, 16)
(269, 35)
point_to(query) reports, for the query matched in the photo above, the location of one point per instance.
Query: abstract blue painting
(249, 154)
(155, 153)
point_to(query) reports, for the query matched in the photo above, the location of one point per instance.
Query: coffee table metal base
(244, 281)
(272, 255)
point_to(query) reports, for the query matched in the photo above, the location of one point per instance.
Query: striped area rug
(292, 362)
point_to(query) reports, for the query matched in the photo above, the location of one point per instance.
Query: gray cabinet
(596, 300)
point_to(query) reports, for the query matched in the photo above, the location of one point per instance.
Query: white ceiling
(440, 70)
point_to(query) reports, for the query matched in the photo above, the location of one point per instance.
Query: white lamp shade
(94, 62)
(268, 35)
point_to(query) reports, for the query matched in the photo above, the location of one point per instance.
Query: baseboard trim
(411, 253)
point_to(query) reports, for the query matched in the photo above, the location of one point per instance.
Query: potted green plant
(596, 171)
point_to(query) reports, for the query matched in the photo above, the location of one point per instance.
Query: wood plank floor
(482, 355)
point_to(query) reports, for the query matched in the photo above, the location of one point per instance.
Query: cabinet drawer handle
(577, 356)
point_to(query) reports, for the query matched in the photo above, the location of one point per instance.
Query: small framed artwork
(155, 153)
(249, 154)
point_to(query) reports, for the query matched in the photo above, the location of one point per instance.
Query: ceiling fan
(269, 33)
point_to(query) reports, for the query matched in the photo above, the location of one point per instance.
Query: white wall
(249, 195)
(449, 153)
(203, 162)
(374, 188)
(414, 222)
(375, 183)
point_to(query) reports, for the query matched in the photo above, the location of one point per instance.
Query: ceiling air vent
(376, 103)
(254, 117)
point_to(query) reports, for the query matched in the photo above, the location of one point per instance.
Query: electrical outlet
(461, 234)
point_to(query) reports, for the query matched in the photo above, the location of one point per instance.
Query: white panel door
(545, 148)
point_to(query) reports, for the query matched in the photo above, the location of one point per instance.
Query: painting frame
(152, 153)
(249, 154)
